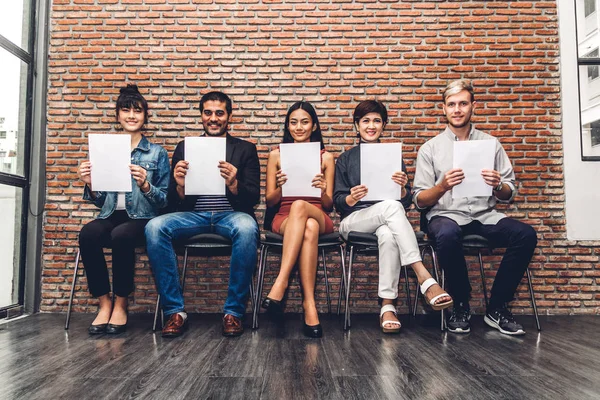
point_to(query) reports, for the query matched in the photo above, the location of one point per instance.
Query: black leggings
(120, 233)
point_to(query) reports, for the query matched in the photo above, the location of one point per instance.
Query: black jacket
(241, 154)
(347, 175)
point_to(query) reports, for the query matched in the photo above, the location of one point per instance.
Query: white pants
(395, 236)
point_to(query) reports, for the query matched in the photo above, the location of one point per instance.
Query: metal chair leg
(535, 311)
(485, 296)
(326, 281)
(264, 250)
(77, 258)
(185, 260)
(156, 310)
(407, 288)
(347, 321)
(342, 279)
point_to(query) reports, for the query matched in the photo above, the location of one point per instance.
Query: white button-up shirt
(435, 159)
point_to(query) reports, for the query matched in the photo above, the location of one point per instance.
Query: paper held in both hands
(473, 156)
(110, 156)
(378, 162)
(203, 155)
(300, 162)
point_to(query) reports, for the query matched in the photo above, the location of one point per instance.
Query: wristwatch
(499, 187)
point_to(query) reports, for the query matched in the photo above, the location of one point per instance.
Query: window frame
(584, 62)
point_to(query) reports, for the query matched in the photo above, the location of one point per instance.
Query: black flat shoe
(313, 331)
(97, 329)
(112, 329)
(274, 308)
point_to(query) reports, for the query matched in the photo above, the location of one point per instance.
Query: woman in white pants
(386, 219)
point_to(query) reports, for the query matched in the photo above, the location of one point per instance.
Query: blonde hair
(457, 86)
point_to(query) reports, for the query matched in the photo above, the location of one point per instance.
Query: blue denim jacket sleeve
(157, 195)
(98, 200)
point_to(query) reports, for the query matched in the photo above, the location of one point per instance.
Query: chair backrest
(423, 222)
(269, 215)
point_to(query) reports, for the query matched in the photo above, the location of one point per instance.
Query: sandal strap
(388, 308)
(397, 323)
(439, 296)
(427, 284)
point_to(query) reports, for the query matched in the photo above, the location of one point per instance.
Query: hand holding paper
(379, 165)
(110, 154)
(204, 174)
(301, 163)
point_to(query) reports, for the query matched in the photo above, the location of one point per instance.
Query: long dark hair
(315, 136)
(130, 97)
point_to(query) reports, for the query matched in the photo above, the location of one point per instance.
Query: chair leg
(442, 282)
(342, 279)
(262, 261)
(185, 260)
(485, 296)
(407, 288)
(77, 258)
(326, 281)
(156, 310)
(535, 311)
(417, 288)
(347, 321)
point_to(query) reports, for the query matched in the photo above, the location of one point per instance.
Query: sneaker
(459, 319)
(503, 320)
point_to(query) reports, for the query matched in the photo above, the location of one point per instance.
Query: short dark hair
(217, 96)
(370, 106)
(130, 97)
(316, 135)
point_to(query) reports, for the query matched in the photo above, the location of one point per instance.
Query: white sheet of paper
(300, 162)
(203, 176)
(110, 155)
(378, 162)
(472, 156)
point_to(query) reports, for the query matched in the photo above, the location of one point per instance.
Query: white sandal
(436, 306)
(396, 324)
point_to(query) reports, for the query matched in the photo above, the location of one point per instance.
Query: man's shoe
(175, 326)
(459, 319)
(502, 319)
(232, 326)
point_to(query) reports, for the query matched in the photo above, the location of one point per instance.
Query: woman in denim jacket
(123, 216)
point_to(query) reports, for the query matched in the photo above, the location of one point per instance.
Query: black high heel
(113, 329)
(313, 331)
(274, 308)
(97, 329)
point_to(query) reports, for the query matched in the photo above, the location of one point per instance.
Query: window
(592, 70)
(588, 61)
(2, 134)
(590, 7)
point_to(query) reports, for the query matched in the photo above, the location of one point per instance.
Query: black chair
(201, 242)
(477, 243)
(274, 240)
(72, 295)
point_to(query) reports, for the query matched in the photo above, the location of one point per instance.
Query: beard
(466, 121)
(220, 132)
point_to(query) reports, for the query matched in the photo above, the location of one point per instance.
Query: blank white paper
(472, 156)
(378, 162)
(110, 156)
(300, 162)
(203, 176)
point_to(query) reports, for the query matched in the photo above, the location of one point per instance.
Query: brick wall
(268, 54)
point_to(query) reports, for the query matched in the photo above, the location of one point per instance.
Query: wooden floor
(40, 360)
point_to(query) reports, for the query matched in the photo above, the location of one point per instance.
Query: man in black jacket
(231, 215)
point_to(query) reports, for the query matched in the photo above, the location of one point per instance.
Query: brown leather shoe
(232, 326)
(175, 326)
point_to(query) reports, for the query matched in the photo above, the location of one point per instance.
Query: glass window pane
(13, 81)
(10, 247)
(587, 24)
(14, 21)
(589, 94)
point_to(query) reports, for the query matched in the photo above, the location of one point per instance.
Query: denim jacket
(139, 205)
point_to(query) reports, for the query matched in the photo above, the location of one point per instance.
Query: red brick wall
(268, 54)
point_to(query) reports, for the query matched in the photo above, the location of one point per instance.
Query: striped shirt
(212, 203)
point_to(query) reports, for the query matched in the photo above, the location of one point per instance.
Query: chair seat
(476, 241)
(207, 240)
(370, 239)
(328, 239)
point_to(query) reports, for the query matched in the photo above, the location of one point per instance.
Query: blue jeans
(162, 231)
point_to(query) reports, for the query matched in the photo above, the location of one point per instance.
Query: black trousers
(120, 233)
(518, 238)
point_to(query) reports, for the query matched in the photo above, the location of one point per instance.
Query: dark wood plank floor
(40, 360)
